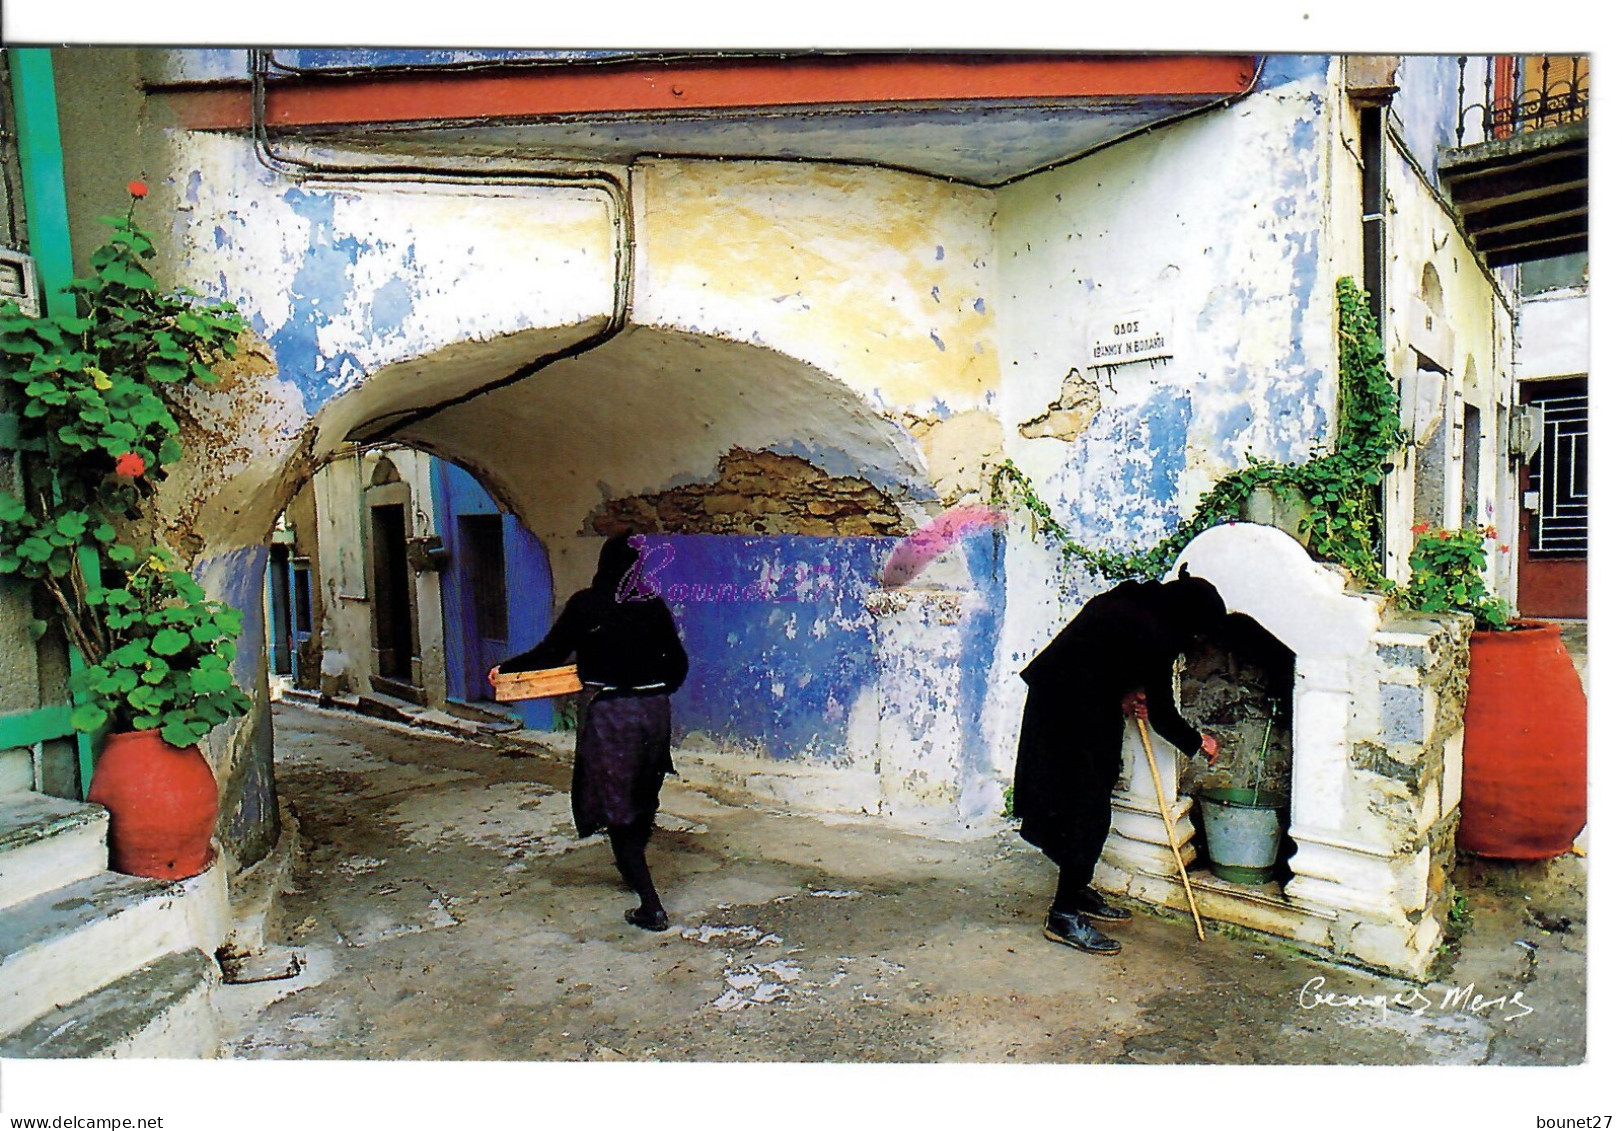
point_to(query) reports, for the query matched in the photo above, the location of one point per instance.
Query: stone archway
(649, 412)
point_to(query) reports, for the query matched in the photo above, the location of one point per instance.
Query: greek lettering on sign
(1128, 338)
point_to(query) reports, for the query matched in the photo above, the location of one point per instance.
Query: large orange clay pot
(1525, 745)
(162, 800)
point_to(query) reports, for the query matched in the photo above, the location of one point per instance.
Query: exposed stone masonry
(757, 493)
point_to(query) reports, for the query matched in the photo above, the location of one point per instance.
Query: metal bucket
(1243, 831)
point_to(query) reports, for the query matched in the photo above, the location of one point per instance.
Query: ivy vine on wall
(1338, 493)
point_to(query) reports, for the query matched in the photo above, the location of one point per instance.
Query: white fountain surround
(1377, 754)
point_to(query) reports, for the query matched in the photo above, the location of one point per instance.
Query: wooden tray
(543, 684)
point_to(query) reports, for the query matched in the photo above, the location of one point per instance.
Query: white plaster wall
(344, 569)
(884, 280)
(345, 630)
(1553, 334)
(1477, 348)
(1221, 226)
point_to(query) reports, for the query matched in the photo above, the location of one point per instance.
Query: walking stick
(1171, 837)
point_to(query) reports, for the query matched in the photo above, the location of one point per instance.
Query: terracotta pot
(1525, 745)
(163, 801)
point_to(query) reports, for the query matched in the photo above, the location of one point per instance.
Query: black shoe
(1094, 908)
(1072, 930)
(648, 920)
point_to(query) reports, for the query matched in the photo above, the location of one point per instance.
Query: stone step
(63, 944)
(164, 1009)
(47, 843)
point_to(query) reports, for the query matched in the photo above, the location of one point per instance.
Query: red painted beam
(519, 92)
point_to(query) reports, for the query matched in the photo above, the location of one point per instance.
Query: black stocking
(630, 843)
(1073, 881)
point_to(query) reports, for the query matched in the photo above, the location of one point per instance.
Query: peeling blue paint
(1123, 476)
(984, 552)
(241, 582)
(936, 338)
(319, 292)
(1426, 103)
(1280, 70)
(780, 640)
(390, 306)
(248, 820)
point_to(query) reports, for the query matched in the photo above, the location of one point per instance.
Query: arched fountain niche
(1375, 739)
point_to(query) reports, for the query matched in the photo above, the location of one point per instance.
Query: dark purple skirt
(622, 754)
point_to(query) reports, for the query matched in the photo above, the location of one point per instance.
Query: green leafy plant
(1446, 568)
(97, 432)
(171, 668)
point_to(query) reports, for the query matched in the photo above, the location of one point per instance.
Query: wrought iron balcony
(1518, 174)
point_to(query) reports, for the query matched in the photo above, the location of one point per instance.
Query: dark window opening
(281, 642)
(1471, 506)
(303, 617)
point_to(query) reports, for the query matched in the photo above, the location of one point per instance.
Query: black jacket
(1123, 640)
(1126, 639)
(619, 637)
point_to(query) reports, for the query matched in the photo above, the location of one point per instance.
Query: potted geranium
(97, 433)
(1525, 780)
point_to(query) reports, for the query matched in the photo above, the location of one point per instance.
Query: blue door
(496, 590)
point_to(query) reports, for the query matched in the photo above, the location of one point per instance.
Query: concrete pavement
(447, 912)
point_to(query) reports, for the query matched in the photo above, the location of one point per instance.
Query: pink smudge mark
(934, 538)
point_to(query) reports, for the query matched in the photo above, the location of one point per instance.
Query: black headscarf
(1196, 606)
(616, 560)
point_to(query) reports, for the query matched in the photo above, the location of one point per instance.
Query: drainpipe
(45, 201)
(612, 186)
(1371, 123)
(1371, 133)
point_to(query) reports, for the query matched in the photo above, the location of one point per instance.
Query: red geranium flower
(137, 189)
(1421, 527)
(130, 464)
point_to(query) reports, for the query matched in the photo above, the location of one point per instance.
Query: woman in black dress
(631, 659)
(1112, 662)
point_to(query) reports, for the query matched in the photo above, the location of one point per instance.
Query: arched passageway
(770, 494)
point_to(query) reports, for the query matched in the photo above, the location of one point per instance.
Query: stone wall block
(1405, 716)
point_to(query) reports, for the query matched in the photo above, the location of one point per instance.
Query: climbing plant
(1338, 489)
(95, 423)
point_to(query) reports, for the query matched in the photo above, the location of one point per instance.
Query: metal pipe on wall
(615, 189)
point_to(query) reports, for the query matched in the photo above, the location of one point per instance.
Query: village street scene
(558, 560)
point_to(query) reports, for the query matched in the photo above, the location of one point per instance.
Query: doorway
(392, 621)
(1554, 510)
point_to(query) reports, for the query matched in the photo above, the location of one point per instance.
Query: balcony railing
(1501, 95)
